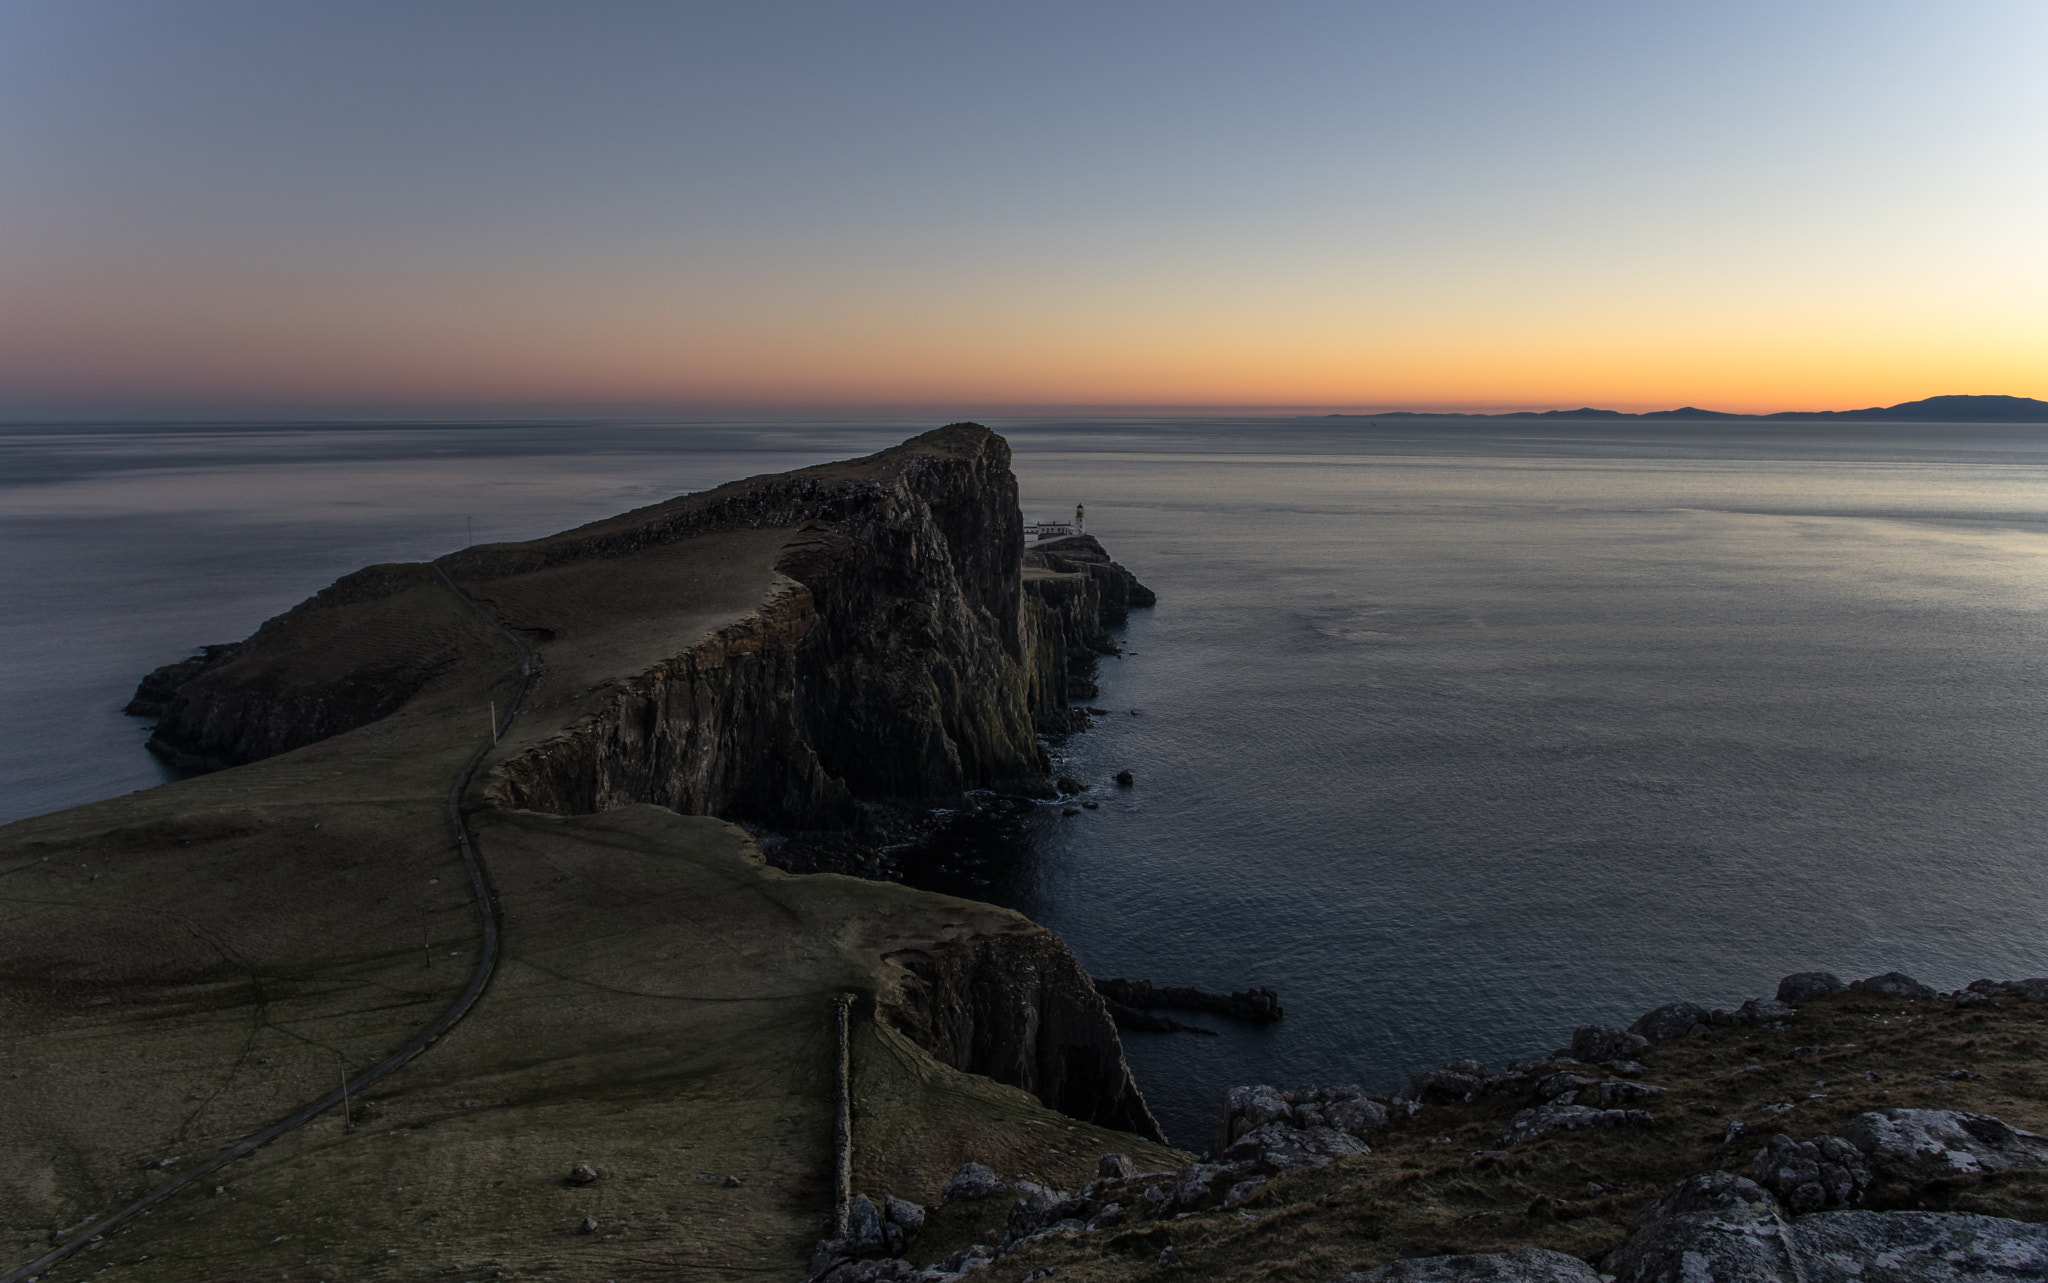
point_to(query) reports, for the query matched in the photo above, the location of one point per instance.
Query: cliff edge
(185, 965)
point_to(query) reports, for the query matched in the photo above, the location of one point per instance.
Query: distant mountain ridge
(1934, 409)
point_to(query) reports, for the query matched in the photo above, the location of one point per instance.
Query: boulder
(1929, 1144)
(1892, 984)
(1531, 1123)
(583, 1174)
(902, 1222)
(971, 1181)
(1709, 1227)
(1672, 1020)
(864, 1233)
(1764, 1011)
(1562, 1084)
(1522, 1265)
(1919, 1247)
(1040, 1210)
(1124, 780)
(1595, 1043)
(1805, 986)
(1115, 1167)
(1457, 1080)
(1617, 1091)
(1814, 1176)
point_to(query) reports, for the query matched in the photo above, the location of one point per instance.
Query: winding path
(455, 1011)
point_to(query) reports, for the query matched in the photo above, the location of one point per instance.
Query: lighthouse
(1080, 520)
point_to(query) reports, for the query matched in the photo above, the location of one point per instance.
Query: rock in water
(1124, 779)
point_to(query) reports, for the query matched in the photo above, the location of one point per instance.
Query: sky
(436, 205)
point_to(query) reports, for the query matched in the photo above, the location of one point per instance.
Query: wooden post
(494, 721)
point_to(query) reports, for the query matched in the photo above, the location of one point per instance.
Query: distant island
(1934, 409)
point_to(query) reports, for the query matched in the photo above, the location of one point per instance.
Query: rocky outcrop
(1073, 593)
(1019, 1008)
(1907, 1147)
(1720, 1226)
(320, 669)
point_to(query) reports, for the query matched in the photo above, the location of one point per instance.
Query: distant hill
(1934, 409)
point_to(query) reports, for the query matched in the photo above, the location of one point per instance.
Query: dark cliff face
(1019, 1008)
(1073, 591)
(900, 671)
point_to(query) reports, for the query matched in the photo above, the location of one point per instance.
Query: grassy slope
(661, 1010)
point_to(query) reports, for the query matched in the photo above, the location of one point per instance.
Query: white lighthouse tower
(1080, 520)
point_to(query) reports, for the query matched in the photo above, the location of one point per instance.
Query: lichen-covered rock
(1530, 1123)
(1805, 986)
(864, 1233)
(972, 1181)
(1918, 1247)
(1930, 1144)
(1457, 1080)
(1892, 984)
(1562, 1083)
(1812, 1176)
(1617, 1091)
(902, 1222)
(1343, 1108)
(1708, 1228)
(1522, 1265)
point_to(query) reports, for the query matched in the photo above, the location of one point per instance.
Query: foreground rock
(1719, 1226)
(1524, 1265)
(1911, 1146)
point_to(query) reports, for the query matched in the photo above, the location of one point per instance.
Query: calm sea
(1458, 735)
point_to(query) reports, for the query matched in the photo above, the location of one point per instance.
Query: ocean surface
(1456, 734)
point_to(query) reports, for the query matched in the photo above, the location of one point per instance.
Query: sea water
(1456, 734)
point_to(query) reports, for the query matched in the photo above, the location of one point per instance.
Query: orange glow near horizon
(351, 207)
